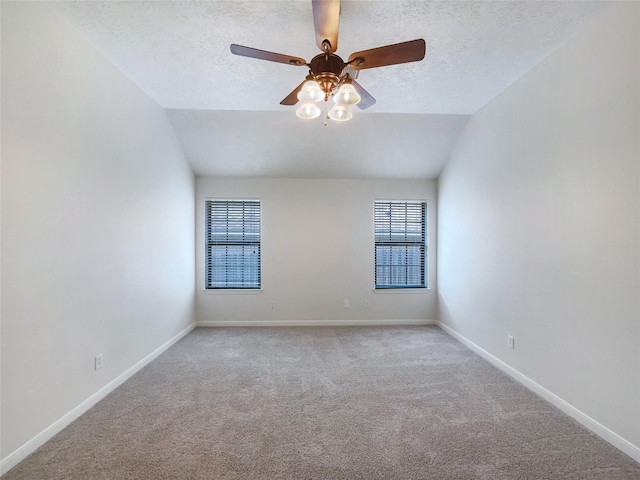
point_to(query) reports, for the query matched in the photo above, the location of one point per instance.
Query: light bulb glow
(310, 92)
(308, 110)
(347, 95)
(340, 113)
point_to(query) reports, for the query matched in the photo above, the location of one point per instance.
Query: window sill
(419, 290)
(232, 291)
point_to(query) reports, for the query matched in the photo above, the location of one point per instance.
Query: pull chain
(326, 113)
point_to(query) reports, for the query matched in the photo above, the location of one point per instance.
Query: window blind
(400, 244)
(233, 244)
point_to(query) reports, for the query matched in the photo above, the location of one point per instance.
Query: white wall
(317, 251)
(539, 226)
(97, 225)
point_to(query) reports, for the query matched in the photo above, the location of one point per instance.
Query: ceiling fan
(328, 74)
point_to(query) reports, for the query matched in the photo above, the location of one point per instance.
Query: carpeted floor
(324, 403)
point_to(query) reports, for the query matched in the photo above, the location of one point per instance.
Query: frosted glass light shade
(340, 113)
(308, 110)
(347, 95)
(310, 92)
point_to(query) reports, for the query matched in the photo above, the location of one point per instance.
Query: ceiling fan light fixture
(346, 95)
(329, 75)
(308, 110)
(340, 113)
(311, 92)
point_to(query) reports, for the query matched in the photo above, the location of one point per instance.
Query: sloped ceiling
(225, 108)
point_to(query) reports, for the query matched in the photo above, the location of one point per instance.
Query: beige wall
(317, 251)
(97, 226)
(539, 228)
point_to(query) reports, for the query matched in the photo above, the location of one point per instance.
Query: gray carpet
(324, 403)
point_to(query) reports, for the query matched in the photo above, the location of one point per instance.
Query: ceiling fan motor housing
(326, 63)
(327, 68)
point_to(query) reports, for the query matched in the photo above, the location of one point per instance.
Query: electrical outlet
(346, 304)
(98, 362)
(366, 304)
(510, 341)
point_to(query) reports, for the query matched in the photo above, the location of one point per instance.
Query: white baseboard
(603, 432)
(48, 433)
(313, 323)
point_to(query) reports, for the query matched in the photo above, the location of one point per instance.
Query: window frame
(250, 286)
(422, 244)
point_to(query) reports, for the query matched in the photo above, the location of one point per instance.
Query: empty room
(308, 239)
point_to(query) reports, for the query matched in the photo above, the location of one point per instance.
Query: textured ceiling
(178, 53)
(279, 144)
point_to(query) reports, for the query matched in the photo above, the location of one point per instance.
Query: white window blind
(233, 244)
(400, 244)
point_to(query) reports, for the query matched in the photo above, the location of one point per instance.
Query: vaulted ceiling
(225, 108)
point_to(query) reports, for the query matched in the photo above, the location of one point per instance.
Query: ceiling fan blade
(292, 98)
(366, 100)
(264, 55)
(326, 20)
(404, 52)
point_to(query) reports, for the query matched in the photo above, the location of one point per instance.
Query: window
(233, 244)
(400, 244)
